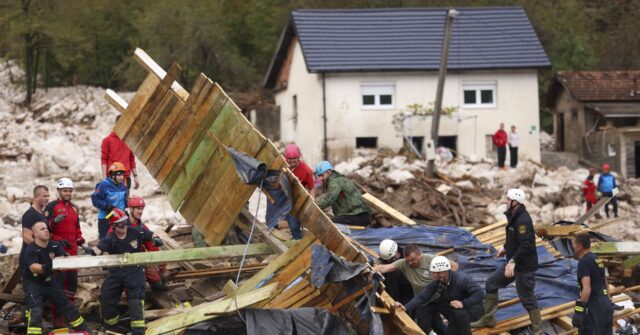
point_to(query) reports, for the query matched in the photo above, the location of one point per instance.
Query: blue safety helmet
(323, 167)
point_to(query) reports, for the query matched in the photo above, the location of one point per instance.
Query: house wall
(596, 149)
(516, 104)
(572, 112)
(628, 160)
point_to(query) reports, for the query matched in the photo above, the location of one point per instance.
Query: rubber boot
(490, 308)
(536, 320)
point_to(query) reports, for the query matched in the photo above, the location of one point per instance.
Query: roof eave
(279, 55)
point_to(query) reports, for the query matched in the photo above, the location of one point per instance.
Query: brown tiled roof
(602, 85)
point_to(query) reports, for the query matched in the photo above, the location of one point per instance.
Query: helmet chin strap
(511, 205)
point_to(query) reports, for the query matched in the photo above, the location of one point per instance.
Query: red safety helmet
(135, 202)
(117, 166)
(291, 151)
(605, 167)
(117, 215)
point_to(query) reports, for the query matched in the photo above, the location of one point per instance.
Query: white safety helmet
(516, 194)
(65, 183)
(388, 249)
(440, 264)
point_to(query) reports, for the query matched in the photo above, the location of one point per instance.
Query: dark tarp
(299, 321)
(556, 278)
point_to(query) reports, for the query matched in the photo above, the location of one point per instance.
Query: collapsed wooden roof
(180, 137)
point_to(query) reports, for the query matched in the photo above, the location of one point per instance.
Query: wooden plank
(197, 314)
(215, 272)
(616, 248)
(156, 122)
(115, 100)
(277, 301)
(383, 207)
(401, 319)
(594, 209)
(11, 283)
(171, 244)
(156, 70)
(248, 219)
(350, 298)
(134, 108)
(162, 256)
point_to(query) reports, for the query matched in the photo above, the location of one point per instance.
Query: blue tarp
(556, 278)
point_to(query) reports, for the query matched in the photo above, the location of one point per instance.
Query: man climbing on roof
(396, 284)
(522, 263)
(110, 193)
(65, 228)
(453, 294)
(303, 172)
(343, 196)
(606, 184)
(593, 311)
(113, 149)
(589, 189)
(124, 239)
(415, 268)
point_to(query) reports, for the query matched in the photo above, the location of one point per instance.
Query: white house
(339, 77)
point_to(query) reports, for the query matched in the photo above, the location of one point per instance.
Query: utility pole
(437, 110)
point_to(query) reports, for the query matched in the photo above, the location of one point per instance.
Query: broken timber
(381, 206)
(181, 138)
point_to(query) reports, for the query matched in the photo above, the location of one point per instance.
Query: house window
(366, 142)
(378, 96)
(479, 95)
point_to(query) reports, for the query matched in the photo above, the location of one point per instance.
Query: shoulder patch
(522, 229)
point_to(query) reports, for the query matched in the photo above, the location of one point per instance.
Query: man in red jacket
(115, 150)
(500, 140)
(64, 223)
(589, 189)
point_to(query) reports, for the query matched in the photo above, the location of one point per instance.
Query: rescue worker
(113, 149)
(303, 172)
(415, 268)
(396, 284)
(589, 189)
(343, 196)
(593, 312)
(65, 229)
(34, 214)
(522, 263)
(124, 239)
(153, 273)
(606, 184)
(39, 284)
(453, 294)
(110, 193)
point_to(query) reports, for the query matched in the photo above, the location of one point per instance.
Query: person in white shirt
(514, 142)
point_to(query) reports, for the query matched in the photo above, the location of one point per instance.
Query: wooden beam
(11, 283)
(171, 244)
(350, 298)
(115, 100)
(152, 67)
(157, 257)
(197, 314)
(383, 207)
(215, 272)
(247, 218)
(595, 208)
(616, 248)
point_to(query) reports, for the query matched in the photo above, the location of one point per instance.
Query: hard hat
(65, 183)
(605, 167)
(117, 166)
(117, 215)
(388, 249)
(440, 264)
(516, 194)
(135, 202)
(291, 151)
(323, 167)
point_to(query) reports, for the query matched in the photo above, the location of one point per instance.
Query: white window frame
(378, 89)
(478, 87)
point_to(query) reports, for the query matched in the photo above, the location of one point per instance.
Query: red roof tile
(602, 85)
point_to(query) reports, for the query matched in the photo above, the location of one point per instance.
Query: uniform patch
(134, 244)
(522, 229)
(52, 255)
(600, 264)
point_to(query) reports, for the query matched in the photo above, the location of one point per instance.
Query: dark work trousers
(513, 156)
(398, 287)
(598, 318)
(525, 285)
(294, 227)
(459, 319)
(361, 219)
(35, 293)
(132, 279)
(613, 201)
(68, 281)
(428, 320)
(502, 156)
(103, 228)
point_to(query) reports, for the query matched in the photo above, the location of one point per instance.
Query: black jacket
(521, 239)
(461, 287)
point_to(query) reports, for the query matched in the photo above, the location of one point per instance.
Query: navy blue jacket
(460, 287)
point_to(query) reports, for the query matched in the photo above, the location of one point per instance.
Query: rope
(244, 254)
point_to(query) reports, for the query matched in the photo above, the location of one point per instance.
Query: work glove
(91, 251)
(599, 195)
(65, 244)
(157, 242)
(46, 268)
(80, 241)
(59, 218)
(578, 315)
(87, 249)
